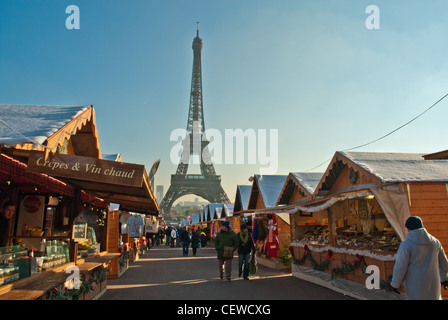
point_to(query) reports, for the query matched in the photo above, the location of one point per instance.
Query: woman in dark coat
(195, 241)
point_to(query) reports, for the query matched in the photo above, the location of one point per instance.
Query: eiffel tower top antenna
(198, 29)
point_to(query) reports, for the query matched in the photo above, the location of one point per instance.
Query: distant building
(159, 193)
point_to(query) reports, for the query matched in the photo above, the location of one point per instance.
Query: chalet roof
(195, 218)
(112, 157)
(378, 168)
(309, 180)
(217, 212)
(306, 180)
(437, 155)
(242, 197)
(34, 123)
(400, 167)
(210, 210)
(270, 187)
(227, 210)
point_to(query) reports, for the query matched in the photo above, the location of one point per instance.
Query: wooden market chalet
(69, 198)
(338, 222)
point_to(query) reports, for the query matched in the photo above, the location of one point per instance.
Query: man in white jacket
(173, 237)
(421, 263)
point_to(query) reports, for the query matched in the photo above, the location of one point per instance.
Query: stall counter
(34, 287)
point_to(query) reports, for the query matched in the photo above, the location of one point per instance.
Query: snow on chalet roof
(195, 218)
(270, 187)
(211, 209)
(111, 157)
(309, 180)
(227, 210)
(22, 123)
(217, 212)
(244, 192)
(400, 167)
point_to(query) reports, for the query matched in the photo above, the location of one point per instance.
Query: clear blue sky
(310, 69)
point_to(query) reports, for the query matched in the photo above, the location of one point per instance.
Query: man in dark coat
(185, 240)
(225, 238)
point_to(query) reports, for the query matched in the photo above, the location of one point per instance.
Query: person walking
(185, 240)
(194, 241)
(173, 237)
(226, 242)
(421, 263)
(158, 236)
(178, 237)
(203, 239)
(245, 248)
(168, 236)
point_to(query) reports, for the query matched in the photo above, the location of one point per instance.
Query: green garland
(316, 266)
(342, 271)
(98, 275)
(70, 294)
(123, 259)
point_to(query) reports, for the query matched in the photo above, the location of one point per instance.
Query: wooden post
(73, 251)
(125, 238)
(331, 225)
(293, 225)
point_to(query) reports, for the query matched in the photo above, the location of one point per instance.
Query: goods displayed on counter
(9, 271)
(379, 240)
(317, 235)
(349, 237)
(53, 254)
(16, 262)
(85, 245)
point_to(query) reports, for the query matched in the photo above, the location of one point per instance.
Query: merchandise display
(358, 224)
(52, 254)
(9, 267)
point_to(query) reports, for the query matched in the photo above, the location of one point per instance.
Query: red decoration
(358, 259)
(272, 238)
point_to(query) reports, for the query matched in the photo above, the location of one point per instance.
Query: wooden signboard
(88, 169)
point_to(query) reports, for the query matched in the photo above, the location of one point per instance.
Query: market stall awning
(15, 172)
(126, 184)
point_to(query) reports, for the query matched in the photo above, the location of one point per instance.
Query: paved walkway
(164, 274)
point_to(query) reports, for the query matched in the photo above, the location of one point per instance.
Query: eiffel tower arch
(207, 184)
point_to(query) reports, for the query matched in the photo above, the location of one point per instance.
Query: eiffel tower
(207, 184)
